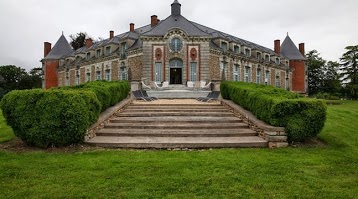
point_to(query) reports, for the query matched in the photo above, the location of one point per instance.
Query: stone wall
(136, 65)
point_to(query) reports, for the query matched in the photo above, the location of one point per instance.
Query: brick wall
(51, 75)
(298, 76)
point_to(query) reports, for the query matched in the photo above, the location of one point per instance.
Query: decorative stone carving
(193, 54)
(158, 54)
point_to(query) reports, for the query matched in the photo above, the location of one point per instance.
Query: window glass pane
(158, 72)
(193, 71)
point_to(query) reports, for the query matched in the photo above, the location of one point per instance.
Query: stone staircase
(199, 125)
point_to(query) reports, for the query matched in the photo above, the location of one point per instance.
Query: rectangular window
(224, 46)
(259, 56)
(98, 53)
(237, 72)
(88, 77)
(258, 76)
(247, 52)
(98, 75)
(277, 61)
(108, 75)
(123, 73)
(267, 58)
(108, 50)
(237, 49)
(193, 71)
(247, 74)
(278, 81)
(158, 72)
(123, 50)
(88, 56)
(267, 77)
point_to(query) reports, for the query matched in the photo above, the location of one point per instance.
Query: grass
(6, 133)
(328, 171)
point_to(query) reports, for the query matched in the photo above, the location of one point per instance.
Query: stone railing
(104, 117)
(275, 136)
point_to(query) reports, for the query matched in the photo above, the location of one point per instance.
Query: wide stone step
(173, 113)
(175, 126)
(176, 133)
(176, 107)
(171, 119)
(178, 142)
(174, 110)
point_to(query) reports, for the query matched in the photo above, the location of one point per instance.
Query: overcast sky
(325, 25)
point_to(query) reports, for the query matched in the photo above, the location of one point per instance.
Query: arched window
(176, 44)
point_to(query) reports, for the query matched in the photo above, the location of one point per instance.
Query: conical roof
(61, 48)
(289, 50)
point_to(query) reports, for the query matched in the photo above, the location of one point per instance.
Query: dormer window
(98, 52)
(88, 55)
(277, 60)
(258, 55)
(224, 46)
(267, 58)
(237, 49)
(108, 50)
(247, 52)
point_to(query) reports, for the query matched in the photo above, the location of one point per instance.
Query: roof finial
(62, 33)
(287, 33)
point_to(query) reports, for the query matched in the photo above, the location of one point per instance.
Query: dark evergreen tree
(349, 68)
(78, 40)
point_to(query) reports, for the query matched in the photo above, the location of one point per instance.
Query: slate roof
(61, 48)
(175, 21)
(289, 50)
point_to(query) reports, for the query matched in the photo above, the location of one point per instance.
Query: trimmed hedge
(59, 117)
(302, 117)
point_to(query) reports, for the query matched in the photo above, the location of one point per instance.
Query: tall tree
(78, 40)
(315, 65)
(349, 68)
(11, 76)
(331, 79)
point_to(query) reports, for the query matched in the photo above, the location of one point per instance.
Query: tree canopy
(349, 68)
(78, 40)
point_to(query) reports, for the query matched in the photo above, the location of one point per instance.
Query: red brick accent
(111, 34)
(158, 54)
(193, 54)
(298, 75)
(47, 48)
(302, 48)
(131, 27)
(89, 42)
(153, 20)
(277, 46)
(51, 76)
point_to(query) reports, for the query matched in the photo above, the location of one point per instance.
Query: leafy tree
(349, 68)
(78, 40)
(16, 78)
(331, 79)
(315, 65)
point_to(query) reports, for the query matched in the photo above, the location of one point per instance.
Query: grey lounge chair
(215, 96)
(145, 94)
(138, 95)
(208, 96)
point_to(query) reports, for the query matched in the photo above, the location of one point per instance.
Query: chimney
(111, 34)
(277, 47)
(301, 46)
(176, 8)
(47, 48)
(89, 42)
(131, 27)
(153, 20)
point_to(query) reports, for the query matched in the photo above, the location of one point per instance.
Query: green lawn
(307, 172)
(6, 133)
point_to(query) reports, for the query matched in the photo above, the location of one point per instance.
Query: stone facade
(164, 51)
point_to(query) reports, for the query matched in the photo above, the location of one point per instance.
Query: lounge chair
(203, 86)
(145, 86)
(208, 96)
(138, 96)
(214, 96)
(145, 94)
(164, 85)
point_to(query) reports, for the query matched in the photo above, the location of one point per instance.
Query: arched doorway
(176, 71)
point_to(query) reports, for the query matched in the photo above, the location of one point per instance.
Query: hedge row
(59, 117)
(302, 117)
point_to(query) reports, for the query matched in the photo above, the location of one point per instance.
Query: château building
(176, 50)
